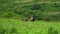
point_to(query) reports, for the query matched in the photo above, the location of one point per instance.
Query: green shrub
(56, 5)
(36, 7)
(9, 15)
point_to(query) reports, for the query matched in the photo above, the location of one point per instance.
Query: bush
(56, 5)
(8, 15)
(51, 17)
(36, 7)
(38, 18)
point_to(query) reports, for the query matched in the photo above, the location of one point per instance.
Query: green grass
(18, 8)
(28, 27)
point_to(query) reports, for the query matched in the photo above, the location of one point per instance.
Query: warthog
(32, 17)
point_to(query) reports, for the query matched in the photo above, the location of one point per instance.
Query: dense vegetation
(42, 9)
(12, 12)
